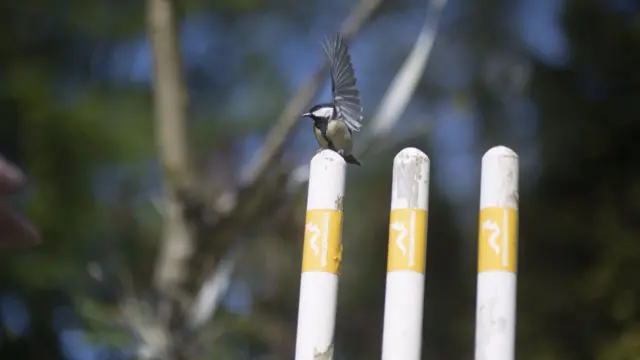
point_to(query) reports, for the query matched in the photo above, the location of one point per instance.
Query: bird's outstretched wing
(343, 82)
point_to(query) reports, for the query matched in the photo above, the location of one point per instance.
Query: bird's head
(320, 112)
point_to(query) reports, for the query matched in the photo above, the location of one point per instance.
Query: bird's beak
(306, 115)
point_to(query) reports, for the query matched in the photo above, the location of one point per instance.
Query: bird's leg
(341, 152)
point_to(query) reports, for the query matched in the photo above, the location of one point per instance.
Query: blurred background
(168, 187)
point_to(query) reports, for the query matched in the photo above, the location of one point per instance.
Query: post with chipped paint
(321, 257)
(403, 309)
(497, 256)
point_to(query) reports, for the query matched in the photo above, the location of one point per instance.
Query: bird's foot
(340, 152)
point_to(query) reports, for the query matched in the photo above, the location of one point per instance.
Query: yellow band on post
(407, 240)
(498, 231)
(322, 246)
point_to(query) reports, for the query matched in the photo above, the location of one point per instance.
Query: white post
(402, 332)
(497, 256)
(321, 257)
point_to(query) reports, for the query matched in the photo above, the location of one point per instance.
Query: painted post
(321, 257)
(497, 256)
(403, 309)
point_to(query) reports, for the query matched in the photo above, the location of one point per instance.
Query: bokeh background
(134, 220)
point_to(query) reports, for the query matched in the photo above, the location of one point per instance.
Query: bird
(335, 122)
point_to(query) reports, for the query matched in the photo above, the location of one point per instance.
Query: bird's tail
(350, 159)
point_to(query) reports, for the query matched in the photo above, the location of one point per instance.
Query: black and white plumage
(335, 122)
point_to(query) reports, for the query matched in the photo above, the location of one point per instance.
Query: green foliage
(105, 325)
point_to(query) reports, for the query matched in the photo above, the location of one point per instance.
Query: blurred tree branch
(15, 231)
(178, 238)
(404, 84)
(171, 139)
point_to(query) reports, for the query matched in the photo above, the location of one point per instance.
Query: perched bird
(334, 123)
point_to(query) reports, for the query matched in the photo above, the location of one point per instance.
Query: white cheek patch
(324, 112)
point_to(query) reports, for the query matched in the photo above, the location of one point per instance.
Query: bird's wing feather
(343, 82)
